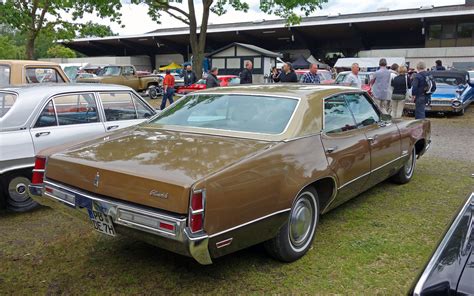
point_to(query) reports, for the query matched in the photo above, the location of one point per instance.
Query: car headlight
(456, 103)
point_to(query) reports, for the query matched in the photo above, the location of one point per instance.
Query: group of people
(391, 87)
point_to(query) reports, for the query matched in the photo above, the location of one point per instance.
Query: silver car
(36, 117)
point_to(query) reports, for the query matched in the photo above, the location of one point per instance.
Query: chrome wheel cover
(410, 164)
(18, 189)
(302, 222)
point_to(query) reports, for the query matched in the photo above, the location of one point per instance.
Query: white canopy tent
(313, 60)
(368, 62)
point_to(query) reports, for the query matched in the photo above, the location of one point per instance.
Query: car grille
(441, 102)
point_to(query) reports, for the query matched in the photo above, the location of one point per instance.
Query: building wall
(166, 59)
(429, 55)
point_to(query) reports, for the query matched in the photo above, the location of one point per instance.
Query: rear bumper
(131, 220)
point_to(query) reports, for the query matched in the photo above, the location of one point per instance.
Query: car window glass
(6, 103)
(76, 109)
(118, 106)
(143, 111)
(337, 116)
(364, 112)
(127, 71)
(4, 75)
(340, 78)
(43, 75)
(47, 116)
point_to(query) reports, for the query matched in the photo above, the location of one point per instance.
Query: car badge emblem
(156, 193)
(96, 180)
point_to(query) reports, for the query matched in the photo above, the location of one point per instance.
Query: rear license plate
(101, 222)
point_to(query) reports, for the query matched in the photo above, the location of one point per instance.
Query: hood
(133, 163)
(96, 79)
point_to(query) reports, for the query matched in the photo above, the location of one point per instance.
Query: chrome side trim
(371, 171)
(249, 222)
(431, 264)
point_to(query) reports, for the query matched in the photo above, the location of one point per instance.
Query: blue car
(454, 92)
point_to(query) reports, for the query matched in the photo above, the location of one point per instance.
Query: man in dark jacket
(439, 66)
(189, 76)
(419, 90)
(211, 80)
(246, 75)
(287, 74)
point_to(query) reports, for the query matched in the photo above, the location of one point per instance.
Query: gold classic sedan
(227, 168)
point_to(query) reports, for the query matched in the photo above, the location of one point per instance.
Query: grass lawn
(374, 244)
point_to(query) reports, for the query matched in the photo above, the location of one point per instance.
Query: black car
(450, 271)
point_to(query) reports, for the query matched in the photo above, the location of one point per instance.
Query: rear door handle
(42, 134)
(331, 149)
(112, 127)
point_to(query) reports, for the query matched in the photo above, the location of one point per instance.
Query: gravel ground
(453, 136)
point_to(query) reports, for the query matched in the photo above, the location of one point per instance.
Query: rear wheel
(405, 174)
(294, 239)
(16, 194)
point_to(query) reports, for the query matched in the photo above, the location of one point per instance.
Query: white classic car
(36, 117)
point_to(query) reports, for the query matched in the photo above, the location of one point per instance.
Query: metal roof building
(420, 28)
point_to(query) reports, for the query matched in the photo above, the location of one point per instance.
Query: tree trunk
(198, 43)
(30, 48)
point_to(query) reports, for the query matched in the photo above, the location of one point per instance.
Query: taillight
(196, 211)
(38, 171)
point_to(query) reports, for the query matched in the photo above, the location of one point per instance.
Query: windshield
(340, 78)
(6, 103)
(453, 81)
(324, 75)
(110, 71)
(4, 75)
(243, 113)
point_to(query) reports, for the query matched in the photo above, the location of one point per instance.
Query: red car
(225, 80)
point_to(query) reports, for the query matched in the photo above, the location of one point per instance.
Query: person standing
(401, 85)
(168, 89)
(421, 90)
(439, 66)
(246, 75)
(189, 76)
(380, 86)
(287, 74)
(353, 79)
(312, 76)
(211, 79)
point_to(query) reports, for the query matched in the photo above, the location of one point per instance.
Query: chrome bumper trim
(436, 108)
(180, 240)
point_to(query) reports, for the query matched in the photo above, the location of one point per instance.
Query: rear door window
(47, 116)
(118, 106)
(43, 75)
(337, 116)
(364, 111)
(76, 109)
(143, 111)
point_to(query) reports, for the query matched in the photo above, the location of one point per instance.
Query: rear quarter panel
(411, 131)
(262, 184)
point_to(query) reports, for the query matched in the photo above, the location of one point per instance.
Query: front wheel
(405, 174)
(153, 92)
(16, 191)
(294, 239)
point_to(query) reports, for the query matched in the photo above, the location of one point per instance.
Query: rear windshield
(242, 113)
(4, 75)
(6, 102)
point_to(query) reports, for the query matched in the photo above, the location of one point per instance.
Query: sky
(137, 21)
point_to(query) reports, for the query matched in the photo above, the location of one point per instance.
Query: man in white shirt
(353, 79)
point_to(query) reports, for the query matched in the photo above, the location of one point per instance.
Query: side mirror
(386, 117)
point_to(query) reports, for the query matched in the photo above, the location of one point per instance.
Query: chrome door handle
(331, 149)
(112, 127)
(372, 139)
(42, 134)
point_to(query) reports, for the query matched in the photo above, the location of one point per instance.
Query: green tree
(32, 17)
(8, 49)
(59, 51)
(197, 35)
